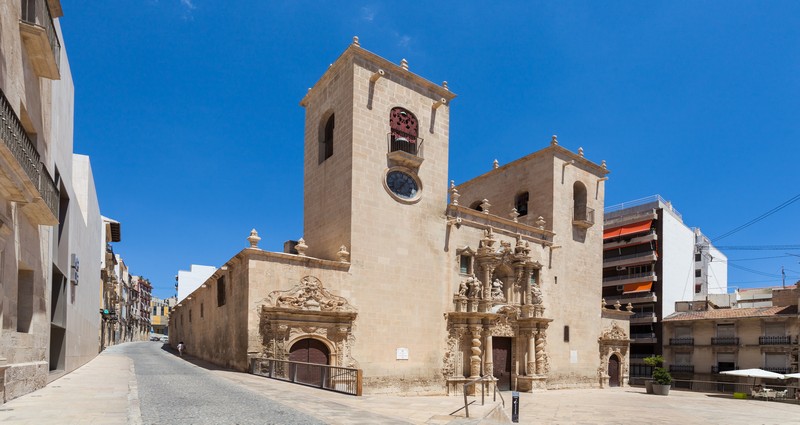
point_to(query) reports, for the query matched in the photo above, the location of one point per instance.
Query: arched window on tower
(326, 139)
(521, 203)
(404, 130)
(581, 213)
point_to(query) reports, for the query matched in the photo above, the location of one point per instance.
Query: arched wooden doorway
(309, 350)
(613, 371)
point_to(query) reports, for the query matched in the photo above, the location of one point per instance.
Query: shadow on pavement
(193, 360)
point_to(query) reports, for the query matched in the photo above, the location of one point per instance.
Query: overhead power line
(736, 266)
(757, 247)
(759, 218)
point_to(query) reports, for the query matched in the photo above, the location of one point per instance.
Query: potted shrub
(662, 380)
(653, 361)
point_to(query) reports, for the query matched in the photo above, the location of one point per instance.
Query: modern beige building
(702, 340)
(418, 293)
(49, 215)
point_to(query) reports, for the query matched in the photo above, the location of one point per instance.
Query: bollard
(515, 407)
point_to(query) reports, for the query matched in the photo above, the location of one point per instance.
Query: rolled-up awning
(633, 288)
(627, 229)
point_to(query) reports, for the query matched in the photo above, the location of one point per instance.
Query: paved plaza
(105, 391)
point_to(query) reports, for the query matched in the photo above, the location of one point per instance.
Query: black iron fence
(406, 143)
(334, 378)
(681, 368)
(787, 393)
(725, 340)
(774, 340)
(681, 341)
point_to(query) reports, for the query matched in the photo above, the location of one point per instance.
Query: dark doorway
(613, 371)
(309, 350)
(501, 355)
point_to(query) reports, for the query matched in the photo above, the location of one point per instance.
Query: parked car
(165, 339)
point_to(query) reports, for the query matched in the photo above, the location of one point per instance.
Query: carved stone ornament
(615, 332)
(308, 295)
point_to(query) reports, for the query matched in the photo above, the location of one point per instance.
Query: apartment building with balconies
(701, 339)
(651, 259)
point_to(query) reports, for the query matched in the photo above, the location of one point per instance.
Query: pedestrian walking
(181, 348)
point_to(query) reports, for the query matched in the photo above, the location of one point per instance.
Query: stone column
(526, 286)
(475, 359)
(488, 368)
(531, 365)
(540, 352)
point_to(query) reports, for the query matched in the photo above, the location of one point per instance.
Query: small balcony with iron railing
(779, 369)
(40, 38)
(31, 183)
(718, 369)
(582, 216)
(404, 149)
(681, 368)
(643, 257)
(682, 341)
(725, 340)
(774, 340)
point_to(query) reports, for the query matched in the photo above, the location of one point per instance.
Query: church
(420, 283)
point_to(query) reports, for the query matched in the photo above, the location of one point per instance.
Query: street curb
(134, 410)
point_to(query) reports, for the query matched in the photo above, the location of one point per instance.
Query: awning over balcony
(627, 229)
(633, 288)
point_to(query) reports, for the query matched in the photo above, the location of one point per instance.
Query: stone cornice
(480, 220)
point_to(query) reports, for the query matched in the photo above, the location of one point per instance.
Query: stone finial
(629, 307)
(603, 304)
(452, 184)
(454, 195)
(495, 164)
(253, 239)
(404, 64)
(355, 41)
(554, 140)
(580, 152)
(485, 206)
(343, 255)
(444, 85)
(603, 164)
(301, 247)
(514, 214)
(540, 222)
(617, 305)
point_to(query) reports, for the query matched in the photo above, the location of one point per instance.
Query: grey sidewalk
(104, 391)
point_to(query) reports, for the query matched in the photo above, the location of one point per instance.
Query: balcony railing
(780, 370)
(629, 256)
(718, 369)
(633, 298)
(339, 379)
(681, 341)
(405, 143)
(22, 148)
(774, 340)
(725, 340)
(681, 368)
(583, 216)
(642, 276)
(648, 335)
(36, 13)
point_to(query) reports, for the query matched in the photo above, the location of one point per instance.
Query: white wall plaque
(402, 353)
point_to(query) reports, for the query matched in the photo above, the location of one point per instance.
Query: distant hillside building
(651, 259)
(419, 294)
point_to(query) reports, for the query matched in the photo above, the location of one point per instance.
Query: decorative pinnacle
(343, 254)
(253, 239)
(554, 140)
(514, 214)
(404, 64)
(301, 247)
(580, 152)
(496, 164)
(355, 41)
(444, 85)
(603, 164)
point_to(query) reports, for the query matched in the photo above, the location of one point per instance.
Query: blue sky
(189, 109)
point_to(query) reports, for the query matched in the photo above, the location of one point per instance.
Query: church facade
(420, 293)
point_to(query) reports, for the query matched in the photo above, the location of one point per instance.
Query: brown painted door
(309, 350)
(613, 371)
(501, 356)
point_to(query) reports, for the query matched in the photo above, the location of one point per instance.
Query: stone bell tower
(375, 181)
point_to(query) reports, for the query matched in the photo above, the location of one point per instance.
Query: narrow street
(175, 391)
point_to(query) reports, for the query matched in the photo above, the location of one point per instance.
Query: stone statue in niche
(497, 290)
(474, 287)
(536, 295)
